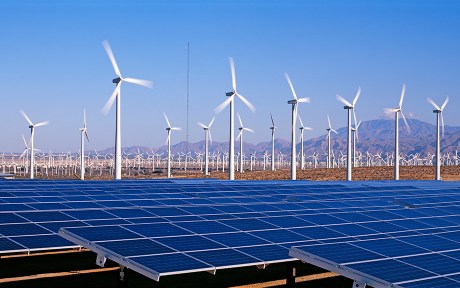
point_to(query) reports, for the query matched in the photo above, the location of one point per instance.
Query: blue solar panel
(157, 230)
(175, 262)
(237, 239)
(134, 247)
(225, 257)
(190, 243)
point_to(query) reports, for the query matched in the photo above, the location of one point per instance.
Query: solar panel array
(164, 227)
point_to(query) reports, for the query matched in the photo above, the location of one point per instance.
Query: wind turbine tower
(207, 134)
(84, 133)
(32, 127)
(294, 103)
(230, 100)
(439, 120)
(116, 96)
(351, 109)
(397, 111)
(273, 143)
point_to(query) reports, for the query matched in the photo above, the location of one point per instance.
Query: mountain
(374, 136)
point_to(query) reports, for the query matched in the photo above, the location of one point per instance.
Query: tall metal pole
(349, 144)
(82, 156)
(31, 152)
(302, 160)
(169, 152)
(241, 151)
(293, 152)
(231, 144)
(206, 170)
(438, 149)
(118, 136)
(329, 148)
(396, 159)
(273, 149)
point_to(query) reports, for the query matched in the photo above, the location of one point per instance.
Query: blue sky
(52, 65)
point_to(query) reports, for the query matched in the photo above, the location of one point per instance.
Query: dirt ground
(448, 173)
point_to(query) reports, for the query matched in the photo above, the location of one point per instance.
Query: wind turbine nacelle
(116, 80)
(292, 101)
(436, 111)
(229, 93)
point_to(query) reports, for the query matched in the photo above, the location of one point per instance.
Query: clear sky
(53, 65)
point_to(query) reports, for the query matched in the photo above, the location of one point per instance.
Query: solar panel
(247, 223)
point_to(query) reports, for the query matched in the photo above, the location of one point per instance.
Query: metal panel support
(358, 284)
(290, 274)
(100, 260)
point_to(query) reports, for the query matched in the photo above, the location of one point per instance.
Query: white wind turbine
(32, 130)
(329, 130)
(207, 134)
(230, 100)
(302, 157)
(84, 133)
(273, 143)
(116, 96)
(294, 119)
(438, 110)
(240, 136)
(397, 111)
(169, 129)
(351, 108)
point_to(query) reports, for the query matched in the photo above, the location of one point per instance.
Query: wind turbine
(240, 136)
(273, 143)
(294, 119)
(116, 96)
(207, 134)
(230, 100)
(438, 110)
(302, 158)
(397, 111)
(329, 130)
(84, 133)
(351, 108)
(32, 130)
(169, 128)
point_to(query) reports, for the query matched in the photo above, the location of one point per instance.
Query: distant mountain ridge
(373, 136)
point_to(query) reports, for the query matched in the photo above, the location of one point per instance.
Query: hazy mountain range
(374, 136)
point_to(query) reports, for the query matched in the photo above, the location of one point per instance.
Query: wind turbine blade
(232, 68)
(167, 121)
(432, 103)
(167, 139)
(308, 128)
(341, 99)
(42, 123)
(210, 137)
(27, 117)
(224, 104)
(249, 130)
(402, 96)
(303, 100)
(445, 103)
(334, 131)
(286, 75)
(239, 118)
(329, 121)
(145, 83)
(273, 122)
(357, 96)
(354, 116)
(106, 45)
(239, 135)
(300, 119)
(176, 128)
(112, 98)
(86, 134)
(245, 101)
(212, 121)
(405, 122)
(25, 142)
(202, 125)
(389, 111)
